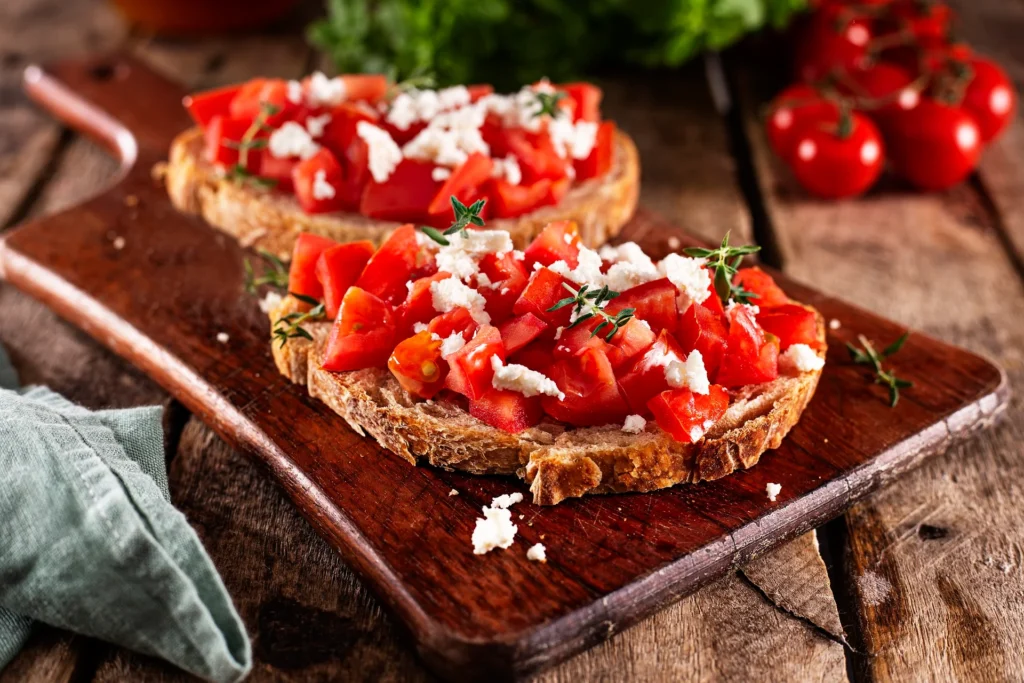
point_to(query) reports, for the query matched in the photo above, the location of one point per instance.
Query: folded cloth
(89, 540)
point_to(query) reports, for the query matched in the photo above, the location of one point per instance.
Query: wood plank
(934, 560)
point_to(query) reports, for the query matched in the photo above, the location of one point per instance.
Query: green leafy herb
(420, 79)
(275, 275)
(867, 355)
(590, 304)
(547, 104)
(240, 171)
(723, 263)
(435, 234)
(465, 216)
(290, 326)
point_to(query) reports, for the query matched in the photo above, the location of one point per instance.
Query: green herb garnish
(276, 274)
(290, 326)
(593, 302)
(869, 356)
(239, 172)
(723, 263)
(547, 103)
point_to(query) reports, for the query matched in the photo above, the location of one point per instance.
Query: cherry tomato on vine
(841, 159)
(934, 146)
(833, 42)
(792, 110)
(989, 98)
(926, 21)
(882, 90)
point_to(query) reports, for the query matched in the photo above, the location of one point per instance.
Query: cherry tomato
(934, 146)
(832, 43)
(417, 365)
(834, 163)
(882, 90)
(794, 109)
(989, 98)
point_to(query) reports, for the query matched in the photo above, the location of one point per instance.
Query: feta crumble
(507, 500)
(674, 242)
(222, 337)
(294, 92)
(452, 344)
(461, 257)
(440, 174)
(802, 358)
(690, 373)
(537, 553)
(507, 168)
(634, 424)
(384, 153)
(452, 293)
(270, 301)
(324, 91)
(624, 275)
(321, 188)
(419, 327)
(689, 276)
(834, 324)
(291, 140)
(495, 529)
(515, 377)
(773, 491)
(315, 125)
(453, 492)
(119, 243)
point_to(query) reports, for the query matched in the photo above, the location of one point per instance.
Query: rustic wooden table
(923, 580)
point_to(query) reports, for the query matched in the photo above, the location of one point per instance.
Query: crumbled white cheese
(291, 140)
(567, 238)
(834, 324)
(294, 93)
(461, 257)
(773, 491)
(690, 373)
(384, 154)
(452, 344)
(751, 308)
(624, 275)
(222, 337)
(537, 553)
(453, 492)
(324, 91)
(689, 276)
(316, 125)
(452, 293)
(321, 188)
(270, 301)
(507, 500)
(440, 174)
(119, 243)
(570, 139)
(802, 358)
(558, 332)
(419, 327)
(495, 529)
(453, 97)
(515, 377)
(587, 270)
(634, 424)
(507, 168)
(447, 141)
(674, 242)
(628, 252)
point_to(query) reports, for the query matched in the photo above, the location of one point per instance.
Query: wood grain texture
(649, 552)
(933, 567)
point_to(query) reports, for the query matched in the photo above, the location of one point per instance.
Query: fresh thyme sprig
(869, 356)
(239, 172)
(276, 274)
(547, 103)
(593, 302)
(419, 79)
(723, 263)
(290, 326)
(464, 217)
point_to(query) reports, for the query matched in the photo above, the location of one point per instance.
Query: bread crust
(271, 221)
(558, 461)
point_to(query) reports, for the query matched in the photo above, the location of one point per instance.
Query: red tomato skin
(591, 394)
(544, 290)
(302, 277)
(536, 155)
(417, 365)
(370, 88)
(471, 372)
(558, 241)
(508, 280)
(887, 83)
(600, 160)
(304, 181)
(248, 102)
(587, 98)
(705, 330)
(792, 324)
(514, 200)
(363, 335)
(762, 284)
(684, 414)
(831, 167)
(338, 268)
(990, 98)
(462, 182)
(404, 196)
(458, 320)
(537, 355)
(519, 331)
(827, 47)
(218, 137)
(399, 259)
(934, 146)
(479, 90)
(340, 131)
(279, 170)
(749, 358)
(641, 381)
(203, 106)
(654, 302)
(794, 109)
(418, 306)
(508, 411)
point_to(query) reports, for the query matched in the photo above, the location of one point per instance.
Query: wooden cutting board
(159, 288)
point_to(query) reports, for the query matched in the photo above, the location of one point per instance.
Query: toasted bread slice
(271, 220)
(558, 461)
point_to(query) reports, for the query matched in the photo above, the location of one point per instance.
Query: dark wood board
(162, 298)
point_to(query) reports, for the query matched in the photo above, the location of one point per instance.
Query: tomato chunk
(558, 241)
(399, 259)
(462, 182)
(543, 291)
(630, 340)
(792, 324)
(221, 139)
(203, 106)
(768, 294)
(749, 358)
(509, 411)
(587, 98)
(254, 95)
(417, 365)
(704, 329)
(600, 160)
(370, 88)
(302, 277)
(520, 331)
(340, 131)
(363, 335)
(537, 355)
(536, 155)
(317, 182)
(338, 268)
(645, 377)
(687, 416)
(654, 302)
(456, 321)
(404, 196)
(471, 371)
(591, 395)
(279, 170)
(515, 200)
(418, 306)
(507, 279)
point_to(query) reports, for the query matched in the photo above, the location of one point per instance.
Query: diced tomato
(363, 336)
(558, 241)
(399, 260)
(536, 155)
(587, 98)
(370, 88)
(645, 379)
(515, 200)
(544, 291)
(509, 411)
(252, 97)
(462, 183)
(653, 301)
(340, 131)
(600, 160)
(508, 279)
(221, 139)
(519, 331)
(404, 196)
(749, 358)
(792, 324)
(471, 370)
(338, 268)
(591, 395)
(557, 192)
(687, 416)
(357, 173)
(279, 170)
(318, 195)
(417, 365)
(302, 278)
(203, 106)
(714, 302)
(628, 341)
(760, 283)
(704, 329)
(479, 91)
(458, 320)
(418, 306)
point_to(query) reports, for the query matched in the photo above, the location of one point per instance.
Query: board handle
(115, 99)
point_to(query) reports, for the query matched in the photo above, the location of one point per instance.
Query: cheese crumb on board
(453, 492)
(802, 357)
(834, 324)
(223, 337)
(495, 529)
(634, 424)
(270, 301)
(537, 553)
(119, 243)
(773, 491)
(515, 377)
